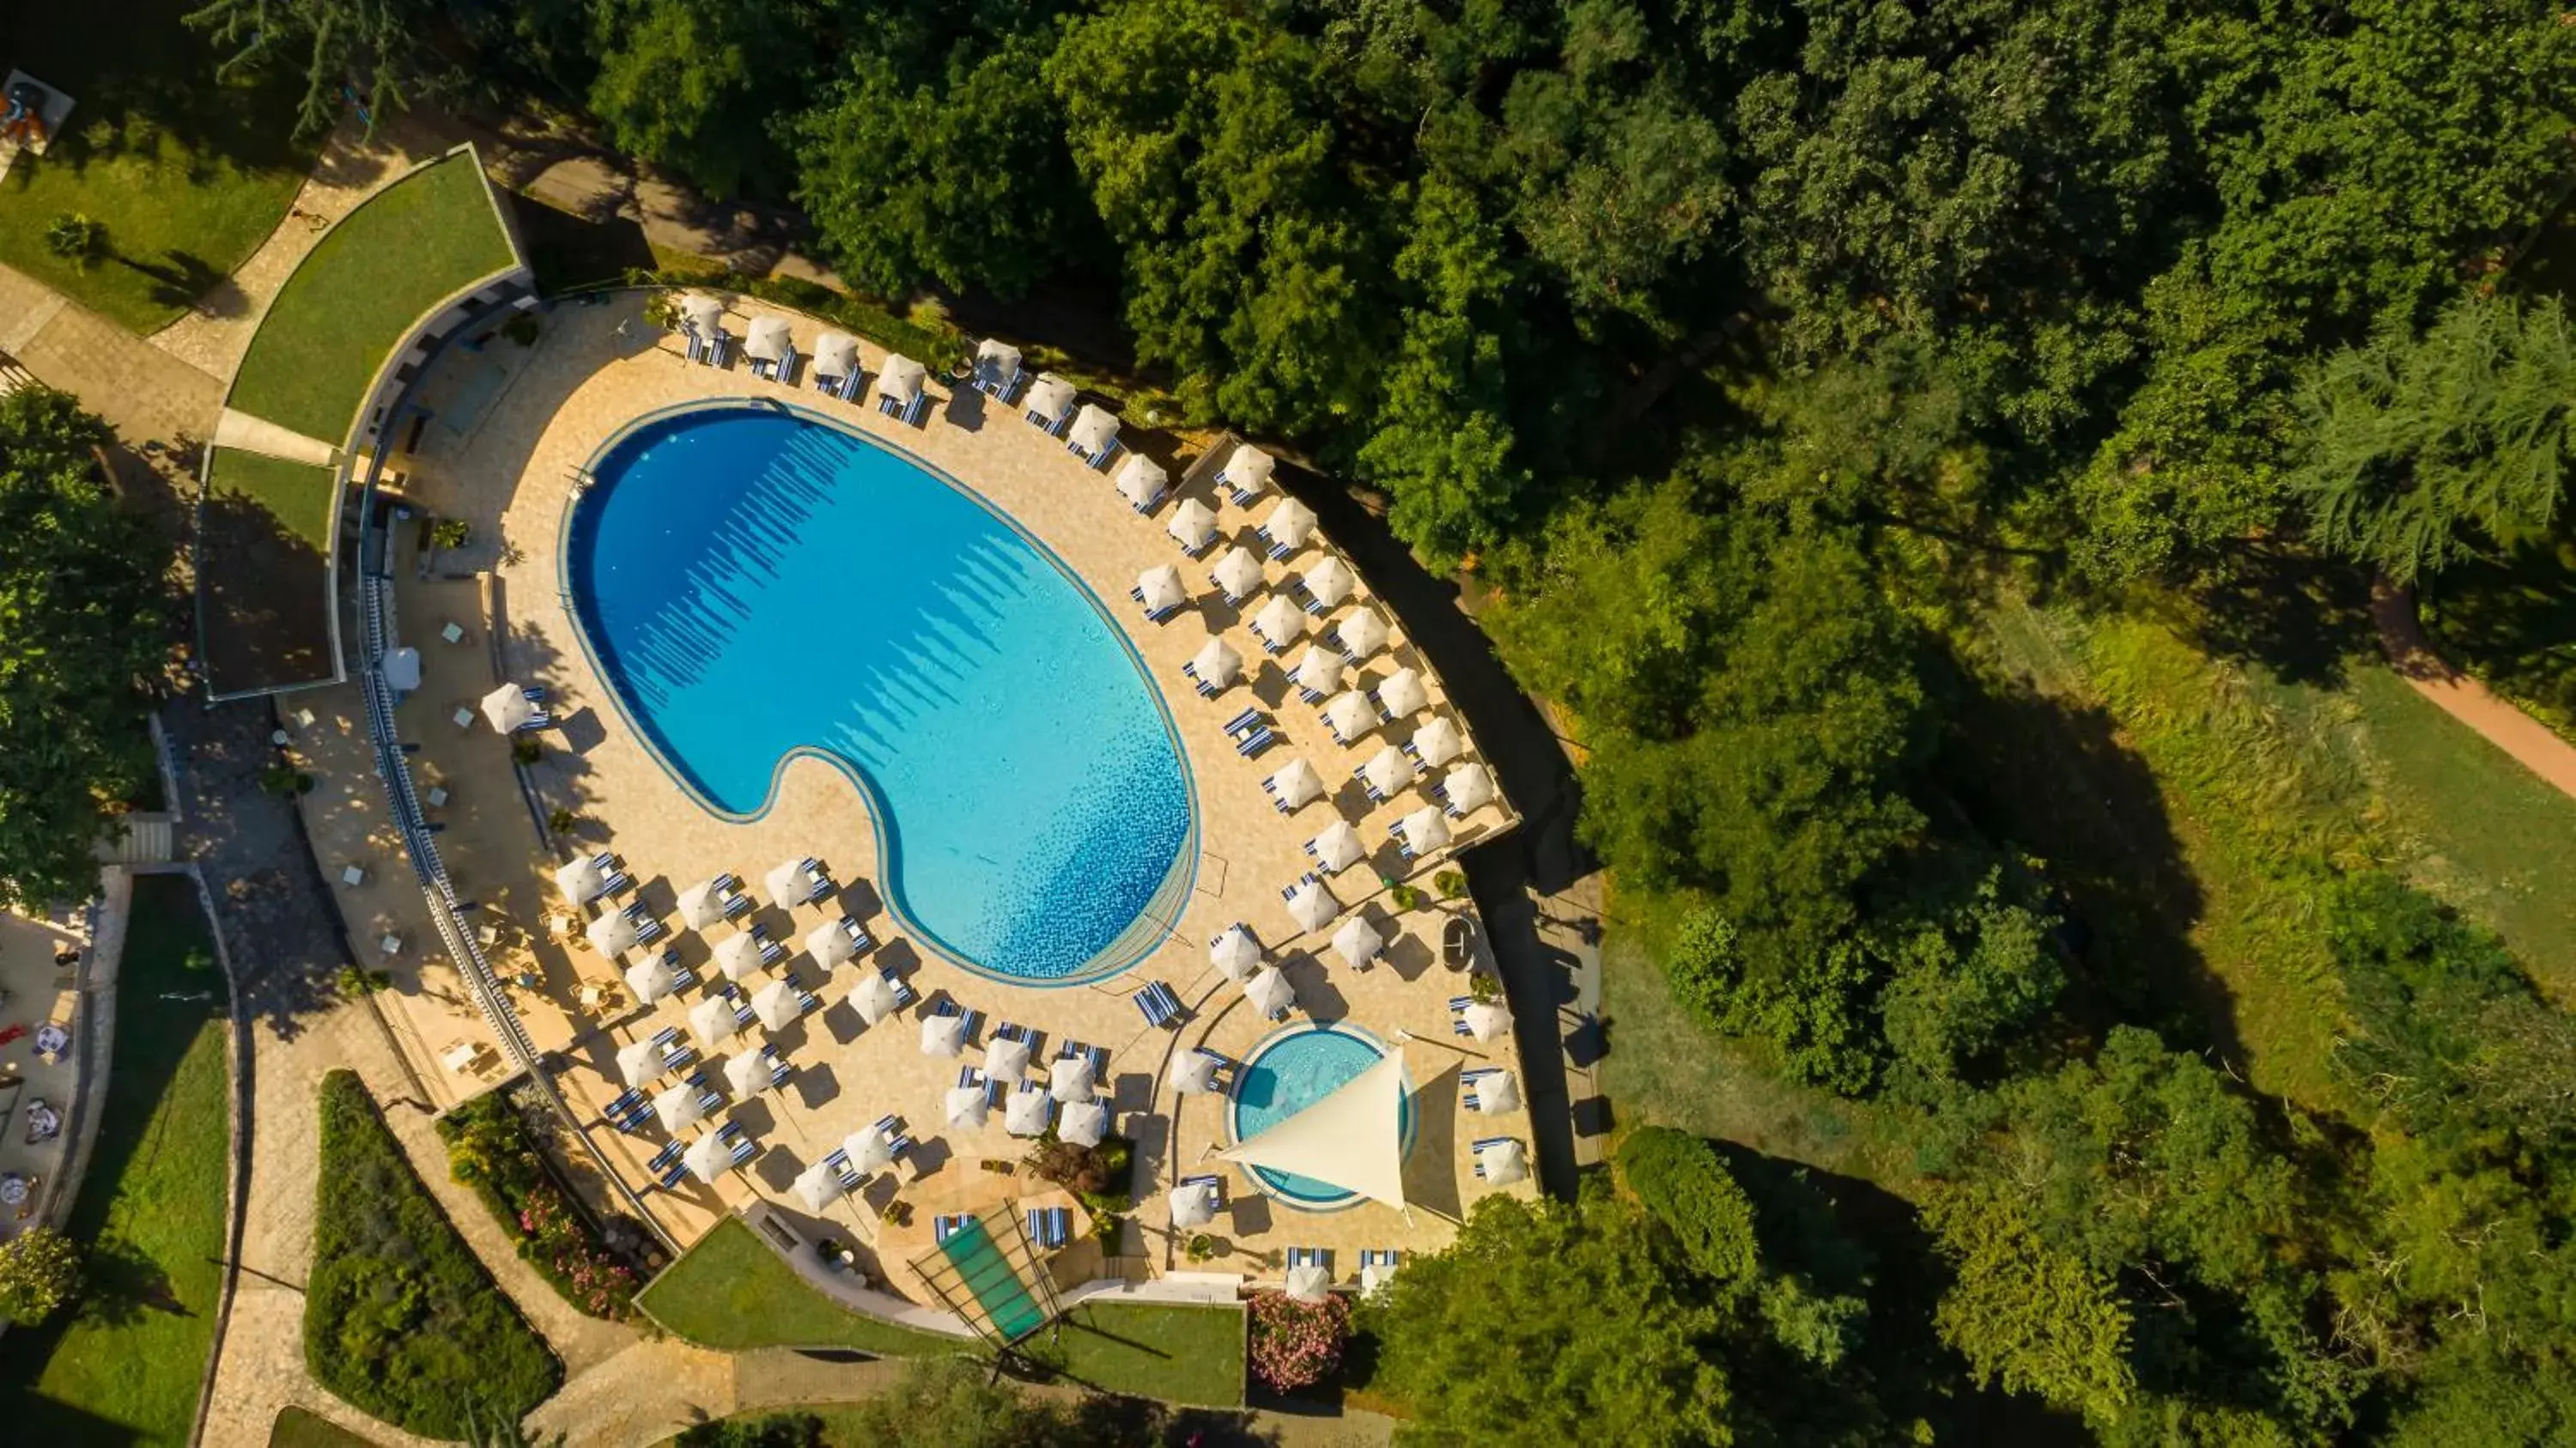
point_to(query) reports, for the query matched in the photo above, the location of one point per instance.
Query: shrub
(40, 1270)
(526, 750)
(522, 329)
(1452, 884)
(1681, 1183)
(76, 238)
(1297, 1344)
(400, 1320)
(561, 820)
(450, 533)
(489, 1149)
(1407, 897)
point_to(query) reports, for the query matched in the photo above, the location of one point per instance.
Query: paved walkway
(252, 434)
(149, 396)
(2498, 721)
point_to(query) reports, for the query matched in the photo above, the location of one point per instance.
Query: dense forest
(1742, 349)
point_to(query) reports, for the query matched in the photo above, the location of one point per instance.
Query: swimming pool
(755, 584)
(1291, 1071)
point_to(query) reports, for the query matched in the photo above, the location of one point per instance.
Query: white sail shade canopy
(1194, 1073)
(1388, 771)
(1468, 786)
(1084, 1123)
(704, 312)
(1296, 785)
(1217, 664)
(1312, 906)
(868, 1150)
(1308, 1282)
(1048, 396)
(1191, 525)
(1352, 1138)
(1329, 583)
(1280, 622)
(787, 884)
(943, 1035)
(508, 709)
(1357, 942)
(1269, 992)
(1437, 742)
(1028, 1112)
(610, 934)
(1238, 572)
(1319, 670)
(776, 1004)
(1349, 716)
(1142, 481)
(1362, 634)
(997, 362)
(874, 997)
(1338, 847)
(1402, 693)
(582, 880)
(1290, 524)
(712, 1022)
(1487, 1021)
(1426, 829)
(836, 354)
(650, 979)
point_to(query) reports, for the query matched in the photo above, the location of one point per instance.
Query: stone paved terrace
(510, 477)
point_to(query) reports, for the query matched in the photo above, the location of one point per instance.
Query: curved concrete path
(2497, 720)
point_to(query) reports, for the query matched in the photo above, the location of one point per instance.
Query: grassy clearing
(400, 1319)
(1192, 1355)
(296, 1428)
(732, 1293)
(188, 176)
(125, 1365)
(2511, 621)
(297, 495)
(338, 318)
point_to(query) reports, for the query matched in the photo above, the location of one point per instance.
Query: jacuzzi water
(755, 584)
(1290, 1072)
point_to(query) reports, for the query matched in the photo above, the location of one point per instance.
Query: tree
(378, 43)
(693, 84)
(1681, 1183)
(40, 1270)
(84, 645)
(2415, 450)
(77, 238)
(2031, 1316)
(1548, 1323)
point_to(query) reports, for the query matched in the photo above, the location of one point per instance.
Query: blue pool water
(754, 584)
(1290, 1072)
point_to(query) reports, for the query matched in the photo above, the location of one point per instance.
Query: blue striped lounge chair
(860, 939)
(1050, 1227)
(682, 978)
(904, 994)
(1224, 1077)
(944, 1227)
(779, 1070)
(839, 1162)
(666, 1159)
(1477, 1152)
(665, 1036)
(1159, 1005)
(1386, 1257)
(1309, 878)
(1376, 795)
(744, 1150)
(805, 1001)
(697, 345)
(1468, 1081)
(742, 1012)
(1248, 719)
(1310, 1257)
(848, 390)
(679, 1057)
(1157, 615)
(971, 1076)
(1278, 550)
(650, 931)
(1098, 1056)
(1458, 1015)
(948, 1006)
(1211, 1180)
(1313, 604)
(1256, 742)
(617, 882)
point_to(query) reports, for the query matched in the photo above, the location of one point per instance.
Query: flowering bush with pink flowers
(1297, 1344)
(488, 1149)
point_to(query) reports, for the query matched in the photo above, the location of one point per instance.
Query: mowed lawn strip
(296, 1428)
(124, 1364)
(297, 495)
(1180, 1354)
(407, 248)
(731, 1292)
(401, 1321)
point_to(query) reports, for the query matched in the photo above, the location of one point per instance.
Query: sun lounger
(617, 883)
(667, 1155)
(1278, 551)
(1256, 742)
(1241, 722)
(944, 1227)
(1157, 615)
(860, 939)
(1212, 1182)
(666, 1035)
(1050, 1227)
(1310, 1257)
(904, 994)
(1161, 1007)
(678, 1057)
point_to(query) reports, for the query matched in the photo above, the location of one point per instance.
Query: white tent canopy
(738, 955)
(997, 362)
(1505, 1161)
(1362, 634)
(1193, 1204)
(1290, 524)
(1425, 829)
(581, 880)
(1352, 1138)
(610, 934)
(829, 944)
(1162, 588)
(775, 1004)
(702, 906)
(1330, 582)
(1072, 1078)
(1269, 992)
(1235, 953)
(901, 380)
(1388, 771)
(1487, 1021)
(943, 1035)
(1468, 786)
(680, 1107)
(1312, 906)
(1238, 572)
(639, 1062)
(1338, 847)
(1027, 1112)
(507, 708)
(1349, 715)
(1218, 664)
(1308, 1282)
(1436, 743)
(1248, 468)
(702, 311)
(868, 1150)
(1194, 1073)
(1048, 397)
(1280, 623)
(1005, 1057)
(1084, 1123)
(650, 979)
(1357, 942)
(1297, 785)
(836, 354)
(818, 1186)
(1320, 670)
(1497, 1094)
(1191, 525)
(1142, 481)
(967, 1106)
(708, 1158)
(712, 1022)
(874, 997)
(787, 884)
(1402, 693)
(769, 340)
(748, 1073)
(1094, 429)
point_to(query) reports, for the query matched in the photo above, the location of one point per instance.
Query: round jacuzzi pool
(1290, 1071)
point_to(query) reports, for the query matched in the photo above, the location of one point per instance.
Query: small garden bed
(400, 1320)
(490, 1148)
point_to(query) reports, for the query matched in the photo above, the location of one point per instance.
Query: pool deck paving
(510, 477)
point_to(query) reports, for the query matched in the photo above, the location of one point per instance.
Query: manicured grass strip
(339, 316)
(732, 1292)
(297, 495)
(400, 1319)
(124, 1364)
(296, 1428)
(1180, 1354)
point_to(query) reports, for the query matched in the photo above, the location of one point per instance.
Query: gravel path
(2498, 721)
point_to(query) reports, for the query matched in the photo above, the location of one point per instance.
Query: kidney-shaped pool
(755, 584)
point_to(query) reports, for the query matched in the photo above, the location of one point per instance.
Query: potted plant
(1201, 1247)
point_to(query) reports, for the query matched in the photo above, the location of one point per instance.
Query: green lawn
(400, 1319)
(296, 1428)
(188, 176)
(297, 495)
(337, 319)
(125, 1366)
(732, 1292)
(1191, 1355)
